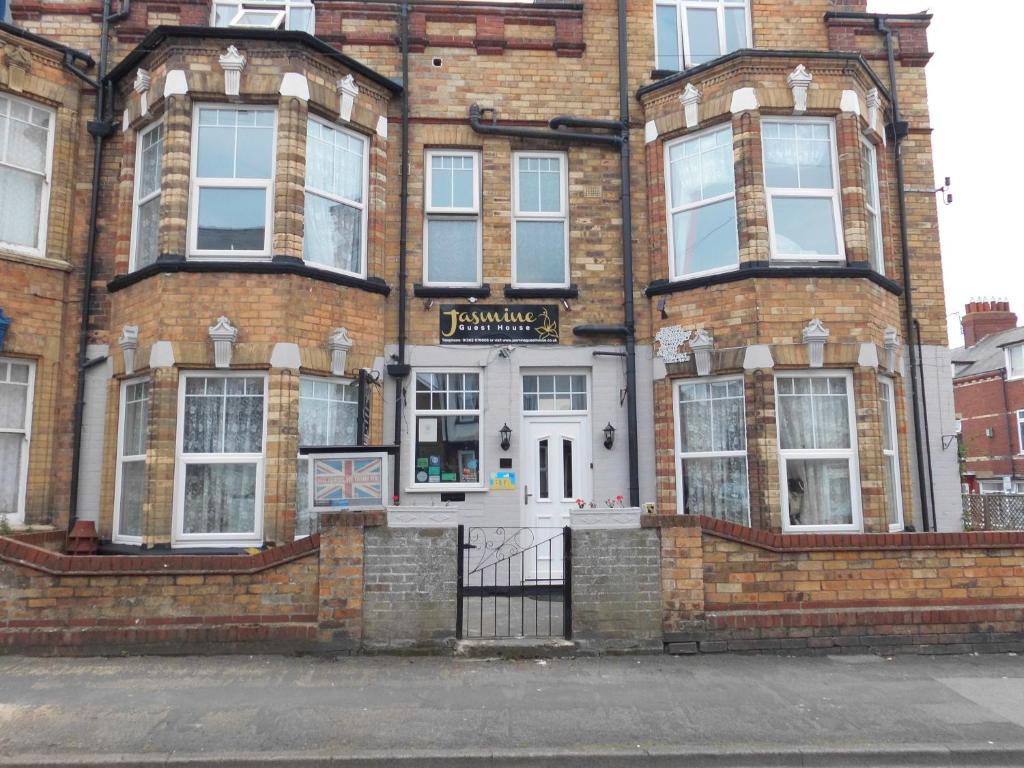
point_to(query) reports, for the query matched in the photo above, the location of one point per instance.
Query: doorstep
(516, 648)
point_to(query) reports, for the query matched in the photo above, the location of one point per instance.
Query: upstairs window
(869, 163)
(1015, 361)
(540, 234)
(801, 176)
(692, 32)
(26, 151)
(702, 204)
(146, 219)
(452, 234)
(265, 14)
(232, 185)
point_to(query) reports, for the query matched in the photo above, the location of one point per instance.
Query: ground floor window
(130, 490)
(446, 417)
(220, 463)
(890, 454)
(16, 385)
(328, 415)
(712, 449)
(990, 486)
(818, 452)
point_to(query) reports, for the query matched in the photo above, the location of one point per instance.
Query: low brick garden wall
(726, 587)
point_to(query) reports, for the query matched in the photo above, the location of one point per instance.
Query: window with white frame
(555, 392)
(801, 176)
(692, 32)
(17, 379)
(701, 199)
(818, 452)
(1015, 361)
(335, 214)
(328, 415)
(711, 436)
(232, 184)
(540, 232)
(446, 417)
(891, 454)
(1020, 432)
(872, 205)
(146, 218)
(1018, 486)
(294, 15)
(221, 448)
(26, 155)
(130, 493)
(451, 241)
(988, 487)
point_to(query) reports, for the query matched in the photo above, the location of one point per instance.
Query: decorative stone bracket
(702, 345)
(232, 62)
(141, 86)
(223, 335)
(129, 343)
(799, 81)
(892, 347)
(340, 344)
(815, 335)
(691, 99)
(19, 65)
(347, 92)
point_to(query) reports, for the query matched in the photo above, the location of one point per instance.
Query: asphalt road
(594, 712)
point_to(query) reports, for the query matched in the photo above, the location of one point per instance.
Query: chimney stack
(983, 318)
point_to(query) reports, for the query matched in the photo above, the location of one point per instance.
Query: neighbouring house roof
(987, 356)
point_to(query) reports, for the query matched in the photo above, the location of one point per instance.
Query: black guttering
(280, 265)
(76, 54)
(764, 53)
(162, 33)
(762, 270)
(853, 15)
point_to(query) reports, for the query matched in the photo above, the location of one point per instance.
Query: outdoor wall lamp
(506, 437)
(609, 436)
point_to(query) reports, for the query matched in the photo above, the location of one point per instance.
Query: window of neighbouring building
(701, 199)
(711, 436)
(818, 451)
(146, 218)
(265, 14)
(986, 487)
(891, 454)
(130, 492)
(232, 185)
(328, 415)
(540, 232)
(802, 184)
(555, 392)
(26, 154)
(692, 32)
(451, 241)
(446, 418)
(1020, 432)
(17, 378)
(1015, 362)
(872, 204)
(221, 449)
(336, 179)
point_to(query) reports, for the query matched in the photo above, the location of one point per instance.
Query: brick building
(988, 389)
(232, 231)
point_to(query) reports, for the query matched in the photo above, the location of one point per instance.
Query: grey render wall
(616, 589)
(409, 587)
(94, 422)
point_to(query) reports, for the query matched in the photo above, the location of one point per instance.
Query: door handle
(526, 494)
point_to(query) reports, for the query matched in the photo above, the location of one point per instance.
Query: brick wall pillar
(852, 181)
(341, 577)
(751, 205)
(290, 177)
(682, 575)
(282, 450)
(873, 498)
(160, 453)
(175, 181)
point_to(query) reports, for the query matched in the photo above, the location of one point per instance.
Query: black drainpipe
(927, 432)
(399, 370)
(99, 128)
(899, 132)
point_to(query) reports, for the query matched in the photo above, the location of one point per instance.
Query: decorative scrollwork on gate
(489, 546)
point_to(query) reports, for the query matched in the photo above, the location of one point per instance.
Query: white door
(556, 472)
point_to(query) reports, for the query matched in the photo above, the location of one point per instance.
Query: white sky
(974, 93)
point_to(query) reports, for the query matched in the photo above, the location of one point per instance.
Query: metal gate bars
(514, 583)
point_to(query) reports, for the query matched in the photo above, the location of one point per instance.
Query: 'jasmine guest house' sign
(499, 323)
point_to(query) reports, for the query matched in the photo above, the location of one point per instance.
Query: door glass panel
(567, 469)
(542, 469)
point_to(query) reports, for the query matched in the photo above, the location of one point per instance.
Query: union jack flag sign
(347, 481)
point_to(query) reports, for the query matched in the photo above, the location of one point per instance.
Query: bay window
(446, 417)
(130, 484)
(328, 415)
(17, 379)
(872, 205)
(891, 454)
(693, 32)
(232, 185)
(335, 213)
(219, 468)
(801, 176)
(146, 216)
(818, 452)
(540, 232)
(264, 14)
(26, 154)
(711, 444)
(701, 197)
(451, 238)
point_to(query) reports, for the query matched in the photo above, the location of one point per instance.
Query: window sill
(570, 292)
(451, 292)
(760, 269)
(35, 261)
(279, 265)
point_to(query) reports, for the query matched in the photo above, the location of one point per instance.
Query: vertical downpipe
(403, 238)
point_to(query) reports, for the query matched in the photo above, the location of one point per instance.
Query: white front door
(556, 472)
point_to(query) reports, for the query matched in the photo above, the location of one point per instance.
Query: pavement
(419, 712)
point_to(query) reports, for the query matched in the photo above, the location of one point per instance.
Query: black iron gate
(509, 586)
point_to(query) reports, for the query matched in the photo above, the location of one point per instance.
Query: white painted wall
(94, 415)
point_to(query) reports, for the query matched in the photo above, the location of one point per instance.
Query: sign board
(348, 480)
(503, 481)
(499, 323)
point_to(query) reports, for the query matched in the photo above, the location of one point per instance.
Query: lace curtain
(10, 471)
